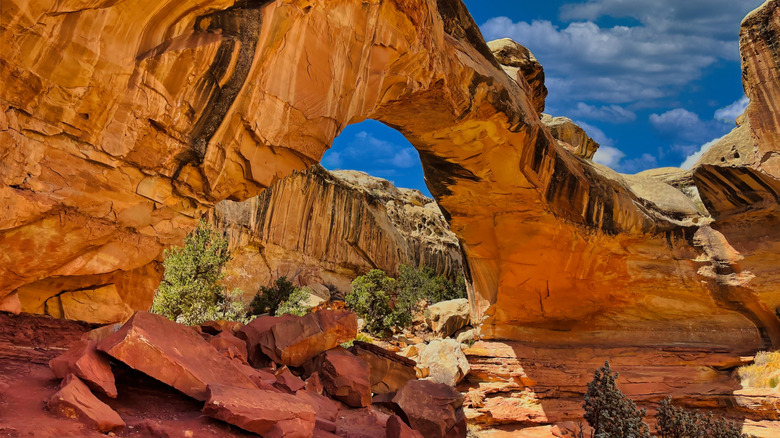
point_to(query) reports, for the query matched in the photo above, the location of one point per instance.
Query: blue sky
(651, 81)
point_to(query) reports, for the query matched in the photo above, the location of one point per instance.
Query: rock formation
(121, 126)
(320, 227)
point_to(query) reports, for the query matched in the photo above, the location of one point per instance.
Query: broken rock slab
(396, 428)
(84, 361)
(270, 414)
(389, 372)
(75, 400)
(173, 354)
(444, 361)
(433, 409)
(447, 317)
(344, 376)
(297, 340)
(253, 332)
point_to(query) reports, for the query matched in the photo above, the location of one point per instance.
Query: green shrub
(675, 422)
(371, 297)
(360, 337)
(268, 299)
(190, 291)
(293, 305)
(425, 284)
(609, 412)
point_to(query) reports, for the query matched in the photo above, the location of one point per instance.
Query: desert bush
(424, 284)
(673, 422)
(609, 412)
(294, 304)
(764, 372)
(268, 299)
(190, 291)
(371, 298)
(360, 337)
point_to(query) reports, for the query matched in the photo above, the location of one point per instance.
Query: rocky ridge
(321, 227)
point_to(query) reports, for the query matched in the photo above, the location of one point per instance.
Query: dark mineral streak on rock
(240, 25)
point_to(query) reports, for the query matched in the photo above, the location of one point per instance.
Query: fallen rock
(433, 409)
(102, 305)
(389, 372)
(88, 364)
(314, 384)
(101, 333)
(287, 381)
(445, 362)
(327, 410)
(297, 340)
(447, 317)
(466, 336)
(396, 428)
(263, 379)
(361, 423)
(11, 304)
(75, 400)
(230, 346)
(173, 354)
(270, 414)
(254, 331)
(344, 376)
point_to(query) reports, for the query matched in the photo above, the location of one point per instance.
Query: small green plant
(360, 337)
(609, 412)
(294, 304)
(673, 422)
(190, 291)
(424, 284)
(269, 299)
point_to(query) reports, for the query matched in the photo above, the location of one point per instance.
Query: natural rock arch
(123, 121)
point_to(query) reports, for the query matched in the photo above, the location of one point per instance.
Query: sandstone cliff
(326, 227)
(121, 128)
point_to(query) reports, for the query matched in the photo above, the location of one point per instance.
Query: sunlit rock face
(321, 227)
(122, 123)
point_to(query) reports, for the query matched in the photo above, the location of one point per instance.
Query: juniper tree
(609, 412)
(191, 291)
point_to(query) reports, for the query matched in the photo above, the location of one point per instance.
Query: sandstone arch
(123, 121)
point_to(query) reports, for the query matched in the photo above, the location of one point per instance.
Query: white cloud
(684, 127)
(665, 48)
(405, 158)
(731, 112)
(606, 113)
(690, 160)
(608, 156)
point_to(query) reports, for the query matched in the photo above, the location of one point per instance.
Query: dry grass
(763, 373)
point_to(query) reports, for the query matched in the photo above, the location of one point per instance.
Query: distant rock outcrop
(321, 227)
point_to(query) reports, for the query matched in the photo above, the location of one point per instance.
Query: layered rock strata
(121, 126)
(321, 227)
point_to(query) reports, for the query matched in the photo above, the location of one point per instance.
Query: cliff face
(122, 126)
(329, 227)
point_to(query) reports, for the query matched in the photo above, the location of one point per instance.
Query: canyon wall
(123, 122)
(323, 227)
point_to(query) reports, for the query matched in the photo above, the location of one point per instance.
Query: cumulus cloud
(608, 156)
(634, 165)
(606, 113)
(667, 47)
(332, 160)
(731, 112)
(684, 127)
(405, 158)
(690, 160)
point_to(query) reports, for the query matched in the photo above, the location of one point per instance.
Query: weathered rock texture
(121, 126)
(320, 227)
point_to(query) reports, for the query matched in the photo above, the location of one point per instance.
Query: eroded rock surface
(321, 227)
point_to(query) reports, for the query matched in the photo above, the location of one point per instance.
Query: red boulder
(270, 414)
(344, 376)
(434, 409)
(396, 428)
(75, 400)
(254, 331)
(88, 364)
(297, 340)
(173, 354)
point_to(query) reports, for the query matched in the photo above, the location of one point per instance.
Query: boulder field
(271, 401)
